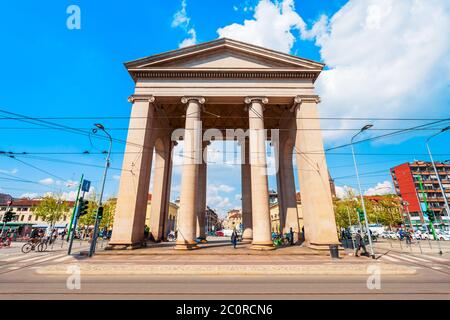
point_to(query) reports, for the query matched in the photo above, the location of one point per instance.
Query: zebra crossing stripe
(408, 259)
(418, 259)
(32, 259)
(436, 258)
(389, 258)
(50, 258)
(63, 258)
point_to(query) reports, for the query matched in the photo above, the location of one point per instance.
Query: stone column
(187, 220)
(160, 204)
(129, 219)
(317, 205)
(246, 192)
(262, 239)
(288, 210)
(168, 225)
(201, 201)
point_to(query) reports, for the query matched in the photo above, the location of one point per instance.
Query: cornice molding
(224, 74)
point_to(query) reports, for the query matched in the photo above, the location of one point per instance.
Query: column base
(124, 246)
(262, 246)
(324, 247)
(186, 246)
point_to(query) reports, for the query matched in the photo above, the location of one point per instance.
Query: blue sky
(388, 60)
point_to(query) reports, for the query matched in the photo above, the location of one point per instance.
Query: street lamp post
(366, 127)
(437, 173)
(108, 157)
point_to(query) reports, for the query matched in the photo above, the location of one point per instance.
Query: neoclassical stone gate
(224, 84)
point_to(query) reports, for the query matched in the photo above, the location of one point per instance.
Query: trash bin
(334, 251)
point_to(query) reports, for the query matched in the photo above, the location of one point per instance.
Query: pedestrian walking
(359, 244)
(291, 235)
(234, 237)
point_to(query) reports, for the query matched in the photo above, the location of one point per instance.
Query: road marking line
(436, 258)
(390, 259)
(18, 257)
(63, 259)
(33, 259)
(418, 259)
(407, 259)
(47, 258)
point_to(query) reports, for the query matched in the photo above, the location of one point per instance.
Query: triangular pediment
(224, 54)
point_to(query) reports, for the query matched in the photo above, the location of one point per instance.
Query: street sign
(86, 186)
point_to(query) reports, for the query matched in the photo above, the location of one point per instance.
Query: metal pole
(75, 223)
(440, 183)
(349, 225)
(75, 208)
(97, 221)
(362, 198)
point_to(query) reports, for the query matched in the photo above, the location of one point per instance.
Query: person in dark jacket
(234, 238)
(359, 243)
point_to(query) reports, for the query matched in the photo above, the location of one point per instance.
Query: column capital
(298, 100)
(143, 98)
(200, 100)
(309, 98)
(262, 100)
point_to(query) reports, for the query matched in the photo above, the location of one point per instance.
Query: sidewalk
(220, 246)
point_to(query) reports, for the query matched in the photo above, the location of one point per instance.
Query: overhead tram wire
(389, 134)
(74, 130)
(65, 128)
(213, 117)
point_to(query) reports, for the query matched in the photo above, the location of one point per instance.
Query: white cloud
(71, 183)
(216, 200)
(345, 191)
(47, 181)
(13, 171)
(272, 26)
(182, 20)
(387, 58)
(189, 41)
(30, 195)
(381, 188)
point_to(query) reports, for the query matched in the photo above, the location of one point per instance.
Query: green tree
(51, 209)
(109, 208)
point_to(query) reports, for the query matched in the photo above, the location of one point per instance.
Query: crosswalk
(436, 263)
(18, 260)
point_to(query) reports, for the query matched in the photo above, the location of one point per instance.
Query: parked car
(219, 234)
(390, 235)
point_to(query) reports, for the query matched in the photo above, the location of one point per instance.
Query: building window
(22, 217)
(29, 217)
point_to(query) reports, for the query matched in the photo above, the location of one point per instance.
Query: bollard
(334, 251)
(420, 247)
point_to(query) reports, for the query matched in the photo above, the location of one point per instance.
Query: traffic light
(360, 214)
(430, 215)
(100, 213)
(83, 207)
(8, 217)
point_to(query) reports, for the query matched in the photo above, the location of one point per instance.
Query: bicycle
(5, 242)
(34, 246)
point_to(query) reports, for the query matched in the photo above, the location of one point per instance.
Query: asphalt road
(18, 279)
